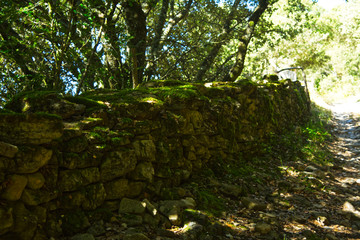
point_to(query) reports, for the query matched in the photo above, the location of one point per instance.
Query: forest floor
(301, 199)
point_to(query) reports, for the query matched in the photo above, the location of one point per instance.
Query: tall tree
(244, 40)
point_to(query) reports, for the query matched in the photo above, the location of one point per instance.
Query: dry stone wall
(63, 155)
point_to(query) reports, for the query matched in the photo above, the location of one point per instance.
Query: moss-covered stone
(35, 181)
(145, 150)
(8, 150)
(81, 160)
(144, 171)
(6, 219)
(36, 197)
(117, 164)
(71, 180)
(116, 189)
(94, 196)
(76, 145)
(45, 101)
(25, 222)
(31, 159)
(15, 185)
(29, 128)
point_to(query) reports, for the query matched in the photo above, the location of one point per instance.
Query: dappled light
(180, 119)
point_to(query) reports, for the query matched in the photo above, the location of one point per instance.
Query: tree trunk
(209, 59)
(135, 19)
(238, 66)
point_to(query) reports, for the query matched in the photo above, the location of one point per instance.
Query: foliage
(77, 46)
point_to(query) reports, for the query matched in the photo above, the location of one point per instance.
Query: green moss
(89, 103)
(152, 100)
(180, 92)
(31, 96)
(210, 202)
(48, 115)
(23, 116)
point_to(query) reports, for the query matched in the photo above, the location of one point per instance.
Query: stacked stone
(55, 168)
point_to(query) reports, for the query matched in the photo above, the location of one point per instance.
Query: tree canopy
(78, 45)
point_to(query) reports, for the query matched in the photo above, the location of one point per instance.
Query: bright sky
(329, 4)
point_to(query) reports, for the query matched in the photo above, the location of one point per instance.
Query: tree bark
(238, 66)
(135, 19)
(209, 59)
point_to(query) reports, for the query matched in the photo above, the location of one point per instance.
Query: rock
(324, 220)
(132, 206)
(193, 230)
(72, 160)
(97, 228)
(83, 236)
(25, 222)
(14, 187)
(71, 180)
(348, 207)
(153, 221)
(117, 164)
(144, 171)
(30, 128)
(6, 219)
(35, 181)
(311, 168)
(231, 190)
(8, 150)
(253, 204)
(131, 219)
(135, 236)
(135, 188)
(76, 145)
(35, 197)
(94, 196)
(116, 189)
(145, 150)
(150, 207)
(263, 228)
(31, 159)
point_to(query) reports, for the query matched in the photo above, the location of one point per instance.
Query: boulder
(31, 159)
(143, 171)
(145, 150)
(8, 150)
(14, 187)
(253, 204)
(35, 181)
(71, 180)
(116, 189)
(117, 164)
(6, 219)
(132, 206)
(30, 128)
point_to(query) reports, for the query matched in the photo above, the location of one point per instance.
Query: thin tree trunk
(209, 59)
(161, 34)
(238, 66)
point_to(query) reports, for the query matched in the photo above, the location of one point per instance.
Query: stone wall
(93, 151)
